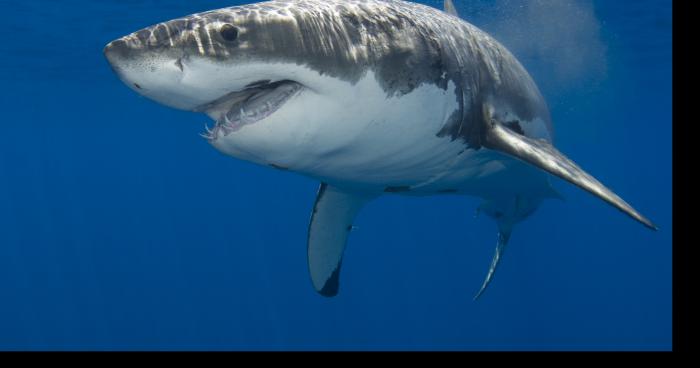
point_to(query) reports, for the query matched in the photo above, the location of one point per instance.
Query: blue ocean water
(120, 228)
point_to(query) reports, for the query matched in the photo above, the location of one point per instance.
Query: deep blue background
(120, 228)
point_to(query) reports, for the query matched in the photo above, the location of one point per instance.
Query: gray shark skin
(369, 97)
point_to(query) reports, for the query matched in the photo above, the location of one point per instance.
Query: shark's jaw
(248, 106)
(234, 95)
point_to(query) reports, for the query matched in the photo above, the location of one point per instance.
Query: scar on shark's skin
(305, 83)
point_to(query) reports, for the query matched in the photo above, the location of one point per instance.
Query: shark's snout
(153, 69)
(115, 52)
(133, 46)
(118, 47)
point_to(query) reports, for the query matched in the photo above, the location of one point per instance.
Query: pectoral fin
(331, 223)
(543, 155)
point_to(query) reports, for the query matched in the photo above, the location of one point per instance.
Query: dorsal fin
(450, 8)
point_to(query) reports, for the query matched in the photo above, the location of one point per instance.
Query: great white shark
(369, 97)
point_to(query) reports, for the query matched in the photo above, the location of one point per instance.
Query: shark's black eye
(229, 32)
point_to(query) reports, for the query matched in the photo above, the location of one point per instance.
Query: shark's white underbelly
(375, 141)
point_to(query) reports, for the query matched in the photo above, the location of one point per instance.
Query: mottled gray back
(405, 44)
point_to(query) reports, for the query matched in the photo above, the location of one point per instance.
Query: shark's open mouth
(247, 107)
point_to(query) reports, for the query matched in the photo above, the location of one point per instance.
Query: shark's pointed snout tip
(114, 48)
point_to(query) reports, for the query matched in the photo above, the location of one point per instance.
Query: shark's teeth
(247, 118)
(229, 126)
(210, 134)
(252, 110)
(227, 129)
